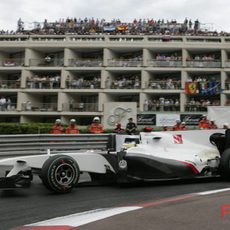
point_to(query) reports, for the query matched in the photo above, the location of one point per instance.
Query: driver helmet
(72, 121)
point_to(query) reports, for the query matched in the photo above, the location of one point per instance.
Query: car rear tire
(225, 164)
(60, 173)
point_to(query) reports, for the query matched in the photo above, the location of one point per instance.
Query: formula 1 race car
(152, 156)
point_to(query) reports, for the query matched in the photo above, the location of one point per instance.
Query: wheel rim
(65, 174)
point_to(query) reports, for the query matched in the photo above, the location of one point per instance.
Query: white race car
(153, 156)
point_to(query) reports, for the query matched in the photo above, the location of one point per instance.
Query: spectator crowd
(88, 26)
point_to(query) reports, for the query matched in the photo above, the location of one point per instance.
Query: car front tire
(60, 173)
(225, 164)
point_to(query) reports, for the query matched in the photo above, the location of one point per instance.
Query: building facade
(44, 77)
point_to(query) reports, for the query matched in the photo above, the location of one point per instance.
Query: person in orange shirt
(57, 128)
(204, 122)
(177, 126)
(212, 124)
(96, 126)
(72, 128)
(183, 126)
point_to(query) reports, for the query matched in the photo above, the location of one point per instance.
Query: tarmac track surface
(26, 206)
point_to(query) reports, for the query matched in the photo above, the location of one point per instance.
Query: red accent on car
(191, 166)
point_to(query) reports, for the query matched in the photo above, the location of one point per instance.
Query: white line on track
(78, 219)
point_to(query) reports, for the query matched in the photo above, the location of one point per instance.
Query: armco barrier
(15, 145)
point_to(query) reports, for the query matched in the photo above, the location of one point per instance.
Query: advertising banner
(191, 119)
(146, 119)
(221, 115)
(166, 119)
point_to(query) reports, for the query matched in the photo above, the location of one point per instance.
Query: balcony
(164, 63)
(80, 107)
(163, 84)
(39, 107)
(45, 62)
(8, 106)
(189, 107)
(125, 63)
(12, 62)
(43, 84)
(157, 107)
(227, 64)
(10, 84)
(124, 84)
(85, 63)
(84, 84)
(203, 64)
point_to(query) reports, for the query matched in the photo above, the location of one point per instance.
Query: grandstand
(70, 68)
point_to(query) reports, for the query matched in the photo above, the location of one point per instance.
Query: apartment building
(44, 77)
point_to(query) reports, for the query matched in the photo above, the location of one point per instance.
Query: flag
(109, 28)
(190, 87)
(122, 27)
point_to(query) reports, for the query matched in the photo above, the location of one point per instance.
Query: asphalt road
(27, 206)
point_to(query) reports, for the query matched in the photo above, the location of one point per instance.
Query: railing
(164, 63)
(124, 63)
(197, 108)
(43, 84)
(204, 64)
(155, 107)
(168, 85)
(227, 64)
(85, 63)
(85, 84)
(10, 84)
(39, 107)
(80, 107)
(8, 106)
(227, 85)
(12, 62)
(42, 62)
(127, 84)
(15, 145)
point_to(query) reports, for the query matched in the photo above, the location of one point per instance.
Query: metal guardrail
(32, 144)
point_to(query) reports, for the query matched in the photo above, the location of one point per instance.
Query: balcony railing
(43, 84)
(39, 107)
(85, 63)
(127, 84)
(227, 85)
(155, 107)
(124, 63)
(164, 63)
(227, 64)
(80, 107)
(12, 62)
(10, 84)
(43, 62)
(85, 84)
(198, 108)
(204, 64)
(8, 106)
(167, 85)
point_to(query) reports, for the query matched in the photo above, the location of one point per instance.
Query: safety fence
(32, 144)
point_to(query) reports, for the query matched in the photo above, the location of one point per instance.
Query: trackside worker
(72, 128)
(183, 126)
(204, 122)
(57, 128)
(212, 124)
(177, 126)
(118, 129)
(96, 126)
